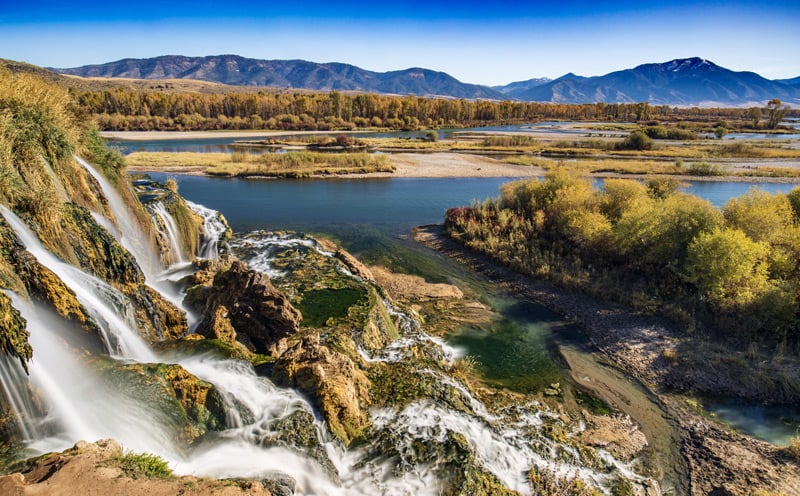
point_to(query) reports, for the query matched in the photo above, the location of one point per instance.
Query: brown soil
(90, 470)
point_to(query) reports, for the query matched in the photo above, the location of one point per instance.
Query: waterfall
(132, 237)
(13, 382)
(213, 229)
(167, 228)
(79, 405)
(109, 308)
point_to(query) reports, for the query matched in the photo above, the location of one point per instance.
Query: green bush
(704, 169)
(637, 140)
(145, 465)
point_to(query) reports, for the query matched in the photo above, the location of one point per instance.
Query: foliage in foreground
(648, 245)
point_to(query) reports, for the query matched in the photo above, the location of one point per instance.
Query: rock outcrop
(243, 303)
(192, 406)
(336, 387)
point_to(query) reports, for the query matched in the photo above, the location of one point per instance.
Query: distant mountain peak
(690, 81)
(690, 64)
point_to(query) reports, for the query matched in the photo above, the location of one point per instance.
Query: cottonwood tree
(775, 113)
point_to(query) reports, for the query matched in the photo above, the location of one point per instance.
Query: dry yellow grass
(291, 164)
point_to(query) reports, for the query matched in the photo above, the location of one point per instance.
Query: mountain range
(235, 70)
(683, 82)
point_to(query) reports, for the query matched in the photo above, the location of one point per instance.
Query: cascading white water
(132, 237)
(259, 250)
(13, 383)
(81, 405)
(110, 309)
(213, 229)
(170, 231)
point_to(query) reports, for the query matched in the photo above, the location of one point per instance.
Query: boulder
(353, 265)
(332, 382)
(159, 319)
(245, 301)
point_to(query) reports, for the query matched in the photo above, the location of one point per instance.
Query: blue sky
(479, 42)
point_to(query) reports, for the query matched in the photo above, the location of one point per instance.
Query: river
(373, 217)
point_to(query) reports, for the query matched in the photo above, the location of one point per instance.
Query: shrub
(136, 465)
(432, 136)
(637, 140)
(793, 449)
(704, 169)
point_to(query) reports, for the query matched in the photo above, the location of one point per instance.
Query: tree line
(130, 109)
(735, 271)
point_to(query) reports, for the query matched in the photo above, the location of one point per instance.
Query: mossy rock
(187, 404)
(398, 384)
(336, 387)
(96, 250)
(298, 430)
(14, 333)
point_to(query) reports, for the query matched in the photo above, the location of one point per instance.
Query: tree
(727, 266)
(775, 113)
(755, 114)
(762, 216)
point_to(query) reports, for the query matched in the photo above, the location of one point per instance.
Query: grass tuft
(144, 465)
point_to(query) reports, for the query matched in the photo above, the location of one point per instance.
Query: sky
(481, 42)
